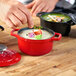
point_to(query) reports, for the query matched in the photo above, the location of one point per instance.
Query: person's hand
(15, 14)
(42, 6)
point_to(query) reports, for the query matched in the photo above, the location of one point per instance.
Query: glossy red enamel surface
(9, 57)
(35, 47)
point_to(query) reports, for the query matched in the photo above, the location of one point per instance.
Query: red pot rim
(31, 40)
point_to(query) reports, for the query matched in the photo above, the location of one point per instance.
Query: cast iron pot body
(35, 47)
(60, 27)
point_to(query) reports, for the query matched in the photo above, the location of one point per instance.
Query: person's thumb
(30, 5)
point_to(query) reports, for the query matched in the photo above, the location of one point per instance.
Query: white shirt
(61, 3)
(24, 1)
(70, 1)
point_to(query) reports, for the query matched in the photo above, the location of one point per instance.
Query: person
(15, 13)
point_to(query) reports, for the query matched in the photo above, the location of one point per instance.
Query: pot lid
(8, 57)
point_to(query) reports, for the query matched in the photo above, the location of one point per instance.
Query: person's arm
(42, 6)
(14, 13)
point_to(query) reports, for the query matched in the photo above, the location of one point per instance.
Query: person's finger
(38, 9)
(44, 9)
(30, 5)
(28, 15)
(35, 6)
(15, 20)
(9, 23)
(20, 15)
(50, 9)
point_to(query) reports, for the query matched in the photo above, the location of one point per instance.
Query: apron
(65, 3)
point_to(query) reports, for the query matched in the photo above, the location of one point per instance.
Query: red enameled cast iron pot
(35, 47)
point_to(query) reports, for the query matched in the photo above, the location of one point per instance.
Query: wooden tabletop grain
(61, 61)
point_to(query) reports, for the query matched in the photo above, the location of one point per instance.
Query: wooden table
(61, 61)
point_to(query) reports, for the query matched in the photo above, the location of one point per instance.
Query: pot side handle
(57, 38)
(12, 32)
(2, 28)
(73, 17)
